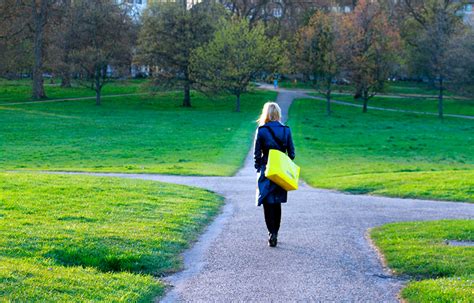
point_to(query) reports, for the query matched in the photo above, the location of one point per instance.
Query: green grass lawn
(409, 87)
(152, 134)
(292, 84)
(384, 153)
(397, 88)
(430, 105)
(80, 238)
(17, 91)
(441, 273)
(76, 238)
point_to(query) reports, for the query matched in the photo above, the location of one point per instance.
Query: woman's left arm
(290, 145)
(257, 156)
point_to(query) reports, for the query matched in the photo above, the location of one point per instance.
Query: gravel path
(323, 253)
(70, 99)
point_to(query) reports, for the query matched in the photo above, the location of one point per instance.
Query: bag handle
(277, 140)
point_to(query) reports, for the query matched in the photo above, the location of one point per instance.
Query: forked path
(322, 255)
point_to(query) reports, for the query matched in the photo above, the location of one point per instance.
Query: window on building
(277, 12)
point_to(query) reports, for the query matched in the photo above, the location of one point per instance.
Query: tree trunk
(98, 88)
(39, 23)
(65, 80)
(365, 96)
(328, 103)
(97, 97)
(358, 93)
(237, 106)
(328, 98)
(187, 95)
(440, 98)
(364, 108)
(65, 70)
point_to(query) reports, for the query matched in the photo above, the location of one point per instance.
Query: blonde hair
(271, 112)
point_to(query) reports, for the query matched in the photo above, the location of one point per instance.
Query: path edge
(383, 262)
(193, 258)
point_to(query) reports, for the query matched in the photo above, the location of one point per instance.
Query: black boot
(273, 240)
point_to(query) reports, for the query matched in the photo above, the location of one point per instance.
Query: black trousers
(272, 213)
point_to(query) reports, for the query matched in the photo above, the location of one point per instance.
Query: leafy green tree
(169, 34)
(236, 55)
(317, 52)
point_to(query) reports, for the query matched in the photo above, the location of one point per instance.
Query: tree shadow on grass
(99, 253)
(360, 190)
(101, 258)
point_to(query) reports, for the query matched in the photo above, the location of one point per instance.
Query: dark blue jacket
(264, 141)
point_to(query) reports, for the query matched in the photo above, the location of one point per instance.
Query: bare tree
(40, 18)
(59, 42)
(282, 15)
(461, 63)
(169, 34)
(101, 41)
(30, 18)
(432, 25)
(318, 53)
(15, 45)
(369, 43)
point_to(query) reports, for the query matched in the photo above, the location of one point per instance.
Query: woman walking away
(271, 134)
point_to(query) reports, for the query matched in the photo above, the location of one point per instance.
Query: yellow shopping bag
(281, 170)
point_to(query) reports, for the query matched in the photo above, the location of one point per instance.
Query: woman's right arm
(257, 156)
